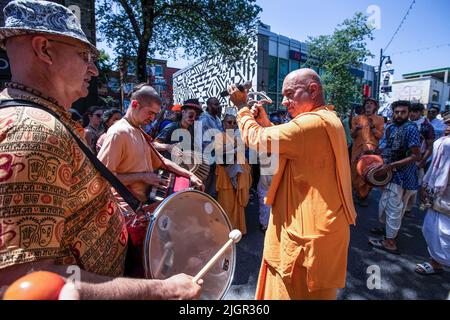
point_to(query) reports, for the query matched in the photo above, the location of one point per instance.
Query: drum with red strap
(369, 166)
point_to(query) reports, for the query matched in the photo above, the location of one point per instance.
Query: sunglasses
(231, 122)
(99, 115)
(86, 55)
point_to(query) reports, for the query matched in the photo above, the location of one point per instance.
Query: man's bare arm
(173, 167)
(427, 153)
(414, 157)
(93, 286)
(145, 177)
(171, 148)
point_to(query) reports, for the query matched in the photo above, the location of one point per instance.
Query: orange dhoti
(272, 286)
(234, 200)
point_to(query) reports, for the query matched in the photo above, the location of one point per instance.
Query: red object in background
(366, 90)
(40, 285)
(176, 108)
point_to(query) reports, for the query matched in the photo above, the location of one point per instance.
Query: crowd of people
(407, 144)
(58, 207)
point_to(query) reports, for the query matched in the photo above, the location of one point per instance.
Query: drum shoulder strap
(148, 139)
(132, 201)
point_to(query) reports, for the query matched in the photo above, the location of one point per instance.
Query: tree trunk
(148, 16)
(142, 62)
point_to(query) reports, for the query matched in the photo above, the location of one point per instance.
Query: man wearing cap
(367, 130)
(56, 209)
(190, 111)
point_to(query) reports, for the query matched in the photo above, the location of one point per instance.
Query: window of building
(282, 71)
(159, 71)
(283, 51)
(294, 65)
(273, 71)
(273, 48)
(435, 96)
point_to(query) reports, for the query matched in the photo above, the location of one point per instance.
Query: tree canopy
(336, 54)
(142, 28)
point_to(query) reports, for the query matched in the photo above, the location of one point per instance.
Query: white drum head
(186, 231)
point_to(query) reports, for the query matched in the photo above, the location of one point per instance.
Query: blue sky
(427, 25)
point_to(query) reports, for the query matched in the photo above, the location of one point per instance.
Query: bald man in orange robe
(306, 243)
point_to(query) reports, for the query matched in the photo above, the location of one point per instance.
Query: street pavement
(398, 281)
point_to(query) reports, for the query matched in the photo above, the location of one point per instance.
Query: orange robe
(306, 243)
(233, 201)
(366, 140)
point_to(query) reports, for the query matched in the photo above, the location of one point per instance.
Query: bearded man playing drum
(367, 130)
(306, 243)
(56, 209)
(400, 155)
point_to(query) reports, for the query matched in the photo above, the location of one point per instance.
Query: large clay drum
(369, 166)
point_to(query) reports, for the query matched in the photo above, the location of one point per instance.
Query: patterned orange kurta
(307, 238)
(53, 203)
(366, 140)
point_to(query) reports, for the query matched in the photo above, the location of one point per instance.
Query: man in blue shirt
(400, 155)
(211, 125)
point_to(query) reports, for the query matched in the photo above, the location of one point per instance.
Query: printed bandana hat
(24, 17)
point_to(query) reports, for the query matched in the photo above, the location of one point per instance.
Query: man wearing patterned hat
(56, 209)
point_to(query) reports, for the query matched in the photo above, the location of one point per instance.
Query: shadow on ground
(397, 277)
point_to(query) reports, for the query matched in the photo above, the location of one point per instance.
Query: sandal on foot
(378, 244)
(378, 231)
(426, 269)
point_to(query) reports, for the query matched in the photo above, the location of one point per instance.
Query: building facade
(430, 87)
(271, 58)
(160, 76)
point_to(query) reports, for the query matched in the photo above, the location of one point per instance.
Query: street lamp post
(388, 64)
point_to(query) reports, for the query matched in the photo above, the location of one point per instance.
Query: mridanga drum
(369, 166)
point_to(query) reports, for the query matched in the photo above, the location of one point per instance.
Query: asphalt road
(398, 281)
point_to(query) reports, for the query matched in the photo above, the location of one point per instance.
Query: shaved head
(304, 76)
(145, 105)
(145, 93)
(302, 91)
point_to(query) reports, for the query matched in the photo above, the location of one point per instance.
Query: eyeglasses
(86, 55)
(231, 122)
